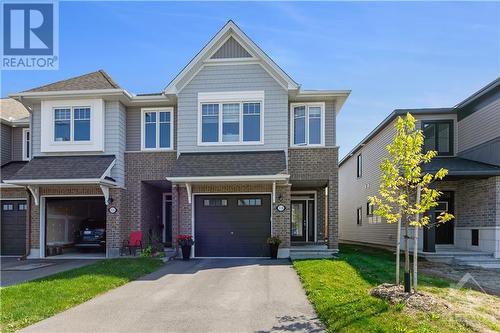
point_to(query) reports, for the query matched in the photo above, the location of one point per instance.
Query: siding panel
(234, 78)
(17, 144)
(6, 137)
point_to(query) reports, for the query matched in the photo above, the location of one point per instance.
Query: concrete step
(312, 253)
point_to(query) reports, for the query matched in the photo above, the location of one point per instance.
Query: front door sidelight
(298, 220)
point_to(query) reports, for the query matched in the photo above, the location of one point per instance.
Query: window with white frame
(308, 124)
(26, 144)
(157, 128)
(72, 124)
(231, 122)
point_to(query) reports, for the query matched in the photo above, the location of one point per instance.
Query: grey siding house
(467, 138)
(231, 152)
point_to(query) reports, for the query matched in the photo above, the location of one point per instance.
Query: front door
(298, 232)
(444, 232)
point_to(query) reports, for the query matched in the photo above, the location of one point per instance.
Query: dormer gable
(231, 49)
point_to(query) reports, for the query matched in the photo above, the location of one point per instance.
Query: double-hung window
(438, 136)
(231, 122)
(157, 128)
(26, 144)
(308, 124)
(72, 124)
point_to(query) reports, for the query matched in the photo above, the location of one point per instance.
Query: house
(467, 139)
(15, 142)
(231, 151)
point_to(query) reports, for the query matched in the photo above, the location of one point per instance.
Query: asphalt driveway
(210, 295)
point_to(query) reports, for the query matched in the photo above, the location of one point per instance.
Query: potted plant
(185, 242)
(274, 243)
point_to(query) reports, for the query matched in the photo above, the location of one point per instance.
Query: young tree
(405, 192)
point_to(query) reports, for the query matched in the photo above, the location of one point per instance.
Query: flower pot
(274, 250)
(186, 252)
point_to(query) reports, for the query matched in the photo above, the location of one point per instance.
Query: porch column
(281, 220)
(116, 226)
(430, 234)
(333, 213)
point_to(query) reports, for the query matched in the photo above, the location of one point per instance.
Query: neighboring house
(467, 139)
(15, 141)
(232, 151)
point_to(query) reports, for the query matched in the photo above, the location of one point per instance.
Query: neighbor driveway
(210, 295)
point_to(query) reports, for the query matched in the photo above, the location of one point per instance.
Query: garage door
(232, 225)
(13, 227)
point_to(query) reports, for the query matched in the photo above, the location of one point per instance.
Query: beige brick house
(232, 151)
(467, 139)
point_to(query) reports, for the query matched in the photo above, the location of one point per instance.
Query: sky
(390, 54)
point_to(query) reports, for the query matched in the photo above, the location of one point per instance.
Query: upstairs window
(157, 129)
(26, 144)
(72, 124)
(307, 124)
(359, 166)
(438, 136)
(239, 122)
(359, 216)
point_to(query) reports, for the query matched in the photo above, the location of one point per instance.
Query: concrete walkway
(211, 295)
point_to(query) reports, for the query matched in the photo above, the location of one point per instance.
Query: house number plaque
(280, 208)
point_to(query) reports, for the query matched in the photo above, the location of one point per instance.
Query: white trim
(75, 181)
(43, 222)
(231, 97)
(292, 126)
(12, 199)
(278, 177)
(157, 110)
(307, 210)
(239, 36)
(193, 206)
(26, 158)
(35, 192)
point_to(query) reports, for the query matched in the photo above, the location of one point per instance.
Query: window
(249, 202)
(26, 144)
(359, 216)
(157, 129)
(475, 237)
(307, 124)
(239, 122)
(72, 124)
(369, 209)
(438, 136)
(215, 202)
(6, 207)
(62, 124)
(359, 166)
(21, 206)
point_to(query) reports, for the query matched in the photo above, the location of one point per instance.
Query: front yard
(339, 291)
(30, 302)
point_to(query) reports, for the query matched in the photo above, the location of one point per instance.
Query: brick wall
(281, 220)
(476, 202)
(13, 193)
(314, 166)
(116, 224)
(139, 167)
(321, 206)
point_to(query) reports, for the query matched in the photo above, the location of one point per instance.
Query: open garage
(75, 227)
(232, 225)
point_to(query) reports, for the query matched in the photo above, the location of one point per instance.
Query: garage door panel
(232, 230)
(13, 228)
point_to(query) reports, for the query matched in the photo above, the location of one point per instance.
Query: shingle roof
(65, 167)
(9, 169)
(230, 164)
(91, 81)
(11, 110)
(458, 166)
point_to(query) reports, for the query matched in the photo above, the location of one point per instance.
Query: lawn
(339, 291)
(30, 302)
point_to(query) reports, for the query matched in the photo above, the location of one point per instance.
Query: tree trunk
(398, 250)
(407, 259)
(415, 245)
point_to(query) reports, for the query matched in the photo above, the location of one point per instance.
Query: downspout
(28, 221)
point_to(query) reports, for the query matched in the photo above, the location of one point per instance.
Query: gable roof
(231, 49)
(229, 30)
(12, 111)
(90, 81)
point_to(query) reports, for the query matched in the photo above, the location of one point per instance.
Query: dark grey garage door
(232, 225)
(13, 227)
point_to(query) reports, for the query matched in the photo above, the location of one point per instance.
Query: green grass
(339, 291)
(30, 302)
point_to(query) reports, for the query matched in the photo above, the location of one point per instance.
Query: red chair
(133, 243)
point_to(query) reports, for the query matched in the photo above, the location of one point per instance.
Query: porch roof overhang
(459, 167)
(65, 170)
(237, 179)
